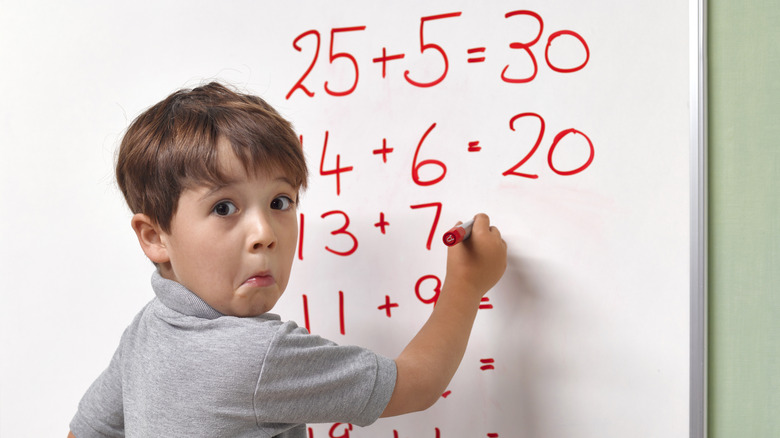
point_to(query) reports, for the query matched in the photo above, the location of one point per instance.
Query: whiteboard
(413, 117)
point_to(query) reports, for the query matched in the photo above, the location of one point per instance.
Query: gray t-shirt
(182, 369)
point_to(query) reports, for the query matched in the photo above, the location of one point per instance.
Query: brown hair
(173, 146)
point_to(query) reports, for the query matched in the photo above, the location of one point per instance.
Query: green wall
(744, 218)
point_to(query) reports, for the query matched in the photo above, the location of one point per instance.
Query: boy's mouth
(261, 279)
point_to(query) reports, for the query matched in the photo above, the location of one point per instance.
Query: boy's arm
(427, 364)
(70, 435)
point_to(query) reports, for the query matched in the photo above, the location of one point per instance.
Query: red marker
(458, 233)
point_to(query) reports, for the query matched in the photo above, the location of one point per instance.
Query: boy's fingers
(481, 220)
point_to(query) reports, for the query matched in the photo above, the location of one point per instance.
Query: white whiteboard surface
(587, 335)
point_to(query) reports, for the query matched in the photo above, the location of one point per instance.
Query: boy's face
(233, 246)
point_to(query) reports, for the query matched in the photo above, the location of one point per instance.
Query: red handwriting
(337, 171)
(434, 58)
(434, 55)
(487, 364)
(512, 170)
(571, 69)
(384, 151)
(382, 224)
(345, 431)
(342, 230)
(333, 56)
(437, 206)
(306, 313)
(300, 238)
(417, 166)
(342, 318)
(435, 170)
(475, 59)
(524, 46)
(556, 141)
(430, 46)
(384, 58)
(341, 313)
(299, 85)
(436, 289)
(387, 306)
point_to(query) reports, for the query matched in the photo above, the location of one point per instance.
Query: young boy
(212, 177)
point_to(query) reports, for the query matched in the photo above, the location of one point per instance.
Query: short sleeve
(100, 413)
(307, 379)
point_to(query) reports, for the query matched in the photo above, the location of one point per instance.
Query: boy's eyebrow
(217, 187)
(286, 180)
(214, 189)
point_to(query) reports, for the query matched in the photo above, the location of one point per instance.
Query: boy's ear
(150, 238)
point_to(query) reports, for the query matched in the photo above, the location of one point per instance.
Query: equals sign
(487, 364)
(476, 58)
(485, 306)
(474, 146)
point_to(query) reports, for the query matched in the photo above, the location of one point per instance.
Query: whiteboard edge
(698, 187)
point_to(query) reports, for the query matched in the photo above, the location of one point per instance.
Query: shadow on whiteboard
(521, 297)
(536, 309)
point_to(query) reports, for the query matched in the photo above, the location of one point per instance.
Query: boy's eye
(282, 203)
(224, 208)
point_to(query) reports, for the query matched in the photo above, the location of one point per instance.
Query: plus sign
(387, 306)
(384, 58)
(382, 222)
(384, 151)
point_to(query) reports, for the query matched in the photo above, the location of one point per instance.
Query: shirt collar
(177, 297)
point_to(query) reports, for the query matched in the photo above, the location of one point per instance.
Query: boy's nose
(261, 234)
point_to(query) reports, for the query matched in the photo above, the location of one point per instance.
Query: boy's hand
(479, 261)
(427, 364)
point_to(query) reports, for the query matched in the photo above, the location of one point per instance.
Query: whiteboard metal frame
(698, 187)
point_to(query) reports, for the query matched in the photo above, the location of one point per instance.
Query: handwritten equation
(342, 430)
(435, 53)
(566, 151)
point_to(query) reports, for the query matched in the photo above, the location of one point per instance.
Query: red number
(299, 84)
(347, 428)
(337, 171)
(417, 166)
(435, 220)
(424, 47)
(306, 313)
(341, 312)
(575, 35)
(524, 46)
(342, 230)
(300, 240)
(436, 289)
(334, 56)
(533, 150)
(558, 138)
